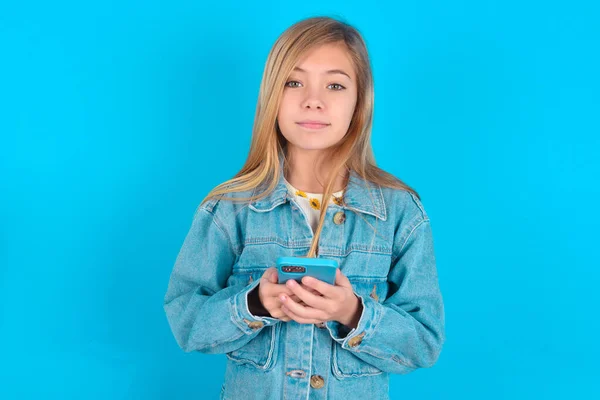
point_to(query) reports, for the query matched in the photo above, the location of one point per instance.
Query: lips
(313, 124)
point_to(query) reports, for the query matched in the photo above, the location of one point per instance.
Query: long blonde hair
(352, 153)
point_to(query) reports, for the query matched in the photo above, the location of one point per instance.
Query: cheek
(283, 114)
(285, 119)
(344, 111)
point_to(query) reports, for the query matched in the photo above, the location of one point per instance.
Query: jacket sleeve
(204, 314)
(406, 331)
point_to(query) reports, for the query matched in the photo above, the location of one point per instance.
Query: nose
(313, 99)
(313, 103)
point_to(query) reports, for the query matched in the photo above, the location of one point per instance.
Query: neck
(305, 173)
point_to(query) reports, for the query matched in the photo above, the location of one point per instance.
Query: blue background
(117, 118)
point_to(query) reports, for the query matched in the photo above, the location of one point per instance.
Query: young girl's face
(318, 99)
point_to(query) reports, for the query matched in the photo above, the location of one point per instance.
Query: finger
(279, 314)
(272, 275)
(313, 291)
(341, 279)
(307, 297)
(273, 306)
(297, 300)
(274, 290)
(300, 310)
(277, 289)
(283, 287)
(299, 319)
(265, 276)
(275, 299)
(282, 317)
(321, 287)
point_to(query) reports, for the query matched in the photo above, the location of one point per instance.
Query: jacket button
(256, 325)
(355, 341)
(317, 381)
(339, 218)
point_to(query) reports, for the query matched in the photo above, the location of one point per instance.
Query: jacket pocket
(345, 364)
(260, 351)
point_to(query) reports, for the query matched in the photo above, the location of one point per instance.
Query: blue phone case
(297, 267)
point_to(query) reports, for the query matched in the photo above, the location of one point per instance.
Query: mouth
(312, 125)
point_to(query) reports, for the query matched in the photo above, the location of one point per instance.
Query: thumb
(272, 275)
(341, 279)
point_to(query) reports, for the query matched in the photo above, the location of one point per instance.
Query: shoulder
(403, 205)
(406, 214)
(226, 205)
(226, 213)
(397, 201)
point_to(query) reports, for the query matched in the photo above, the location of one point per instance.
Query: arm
(406, 331)
(203, 314)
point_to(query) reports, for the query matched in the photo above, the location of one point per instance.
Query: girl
(310, 187)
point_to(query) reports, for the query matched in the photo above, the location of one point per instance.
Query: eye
(288, 83)
(337, 84)
(292, 84)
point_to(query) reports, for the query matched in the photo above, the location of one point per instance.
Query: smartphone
(297, 267)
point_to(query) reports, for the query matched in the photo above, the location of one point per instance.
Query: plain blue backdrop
(118, 117)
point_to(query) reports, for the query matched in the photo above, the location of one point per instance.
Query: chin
(308, 146)
(311, 147)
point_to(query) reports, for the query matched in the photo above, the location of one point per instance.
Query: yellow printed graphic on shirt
(314, 203)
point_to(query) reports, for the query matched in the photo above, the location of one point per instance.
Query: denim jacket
(382, 239)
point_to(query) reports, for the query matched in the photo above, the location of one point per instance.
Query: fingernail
(291, 283)
(282, 298)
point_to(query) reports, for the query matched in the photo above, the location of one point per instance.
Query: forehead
(326, 57)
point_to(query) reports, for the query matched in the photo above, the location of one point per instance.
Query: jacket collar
(360, 195)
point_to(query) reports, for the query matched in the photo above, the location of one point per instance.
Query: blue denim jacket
(385, 248)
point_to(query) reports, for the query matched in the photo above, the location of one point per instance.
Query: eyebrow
(331, 71)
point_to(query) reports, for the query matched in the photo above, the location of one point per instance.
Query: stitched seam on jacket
(217, 223)
(397, 253)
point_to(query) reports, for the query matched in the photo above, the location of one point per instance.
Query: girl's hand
(331, 302)
(269, 290)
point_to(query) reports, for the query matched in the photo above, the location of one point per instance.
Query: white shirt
(311, 203)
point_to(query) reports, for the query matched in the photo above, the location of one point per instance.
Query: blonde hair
(352, 153)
